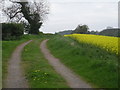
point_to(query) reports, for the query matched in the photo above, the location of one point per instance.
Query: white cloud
(67, 14)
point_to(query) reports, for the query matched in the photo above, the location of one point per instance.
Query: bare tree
(33, 12)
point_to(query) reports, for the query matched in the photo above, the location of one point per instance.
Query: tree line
(29, 13)
(84, 29)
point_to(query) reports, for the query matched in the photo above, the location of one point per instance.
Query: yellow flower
(45, 82)
(108, 43)
(45, 73)
(35, 70)
(38, 70)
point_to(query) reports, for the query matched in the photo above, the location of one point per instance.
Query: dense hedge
(12, 31)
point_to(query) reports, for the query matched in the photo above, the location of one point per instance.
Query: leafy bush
(12, 31)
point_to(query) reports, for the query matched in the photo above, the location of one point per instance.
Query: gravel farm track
(16, 78)
(73, 80)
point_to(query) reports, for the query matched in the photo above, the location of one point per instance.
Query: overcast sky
(67, 14)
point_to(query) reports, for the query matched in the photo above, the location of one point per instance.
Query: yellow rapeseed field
(108, 43)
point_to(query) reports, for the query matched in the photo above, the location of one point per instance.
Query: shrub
(12, 31)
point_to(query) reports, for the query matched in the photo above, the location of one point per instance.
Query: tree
(81, 29)
(33, 13)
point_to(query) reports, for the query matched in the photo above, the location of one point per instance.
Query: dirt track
(71, 78)
(15, 77)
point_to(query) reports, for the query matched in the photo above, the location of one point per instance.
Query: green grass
(93, 64)
(8, 47)
(38, 71)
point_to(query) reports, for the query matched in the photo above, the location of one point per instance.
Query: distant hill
(65, 32)
(111, 32)
(106, 32)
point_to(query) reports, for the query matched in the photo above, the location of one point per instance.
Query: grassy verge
(93, 64)
(8, 47)
(37, 69)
